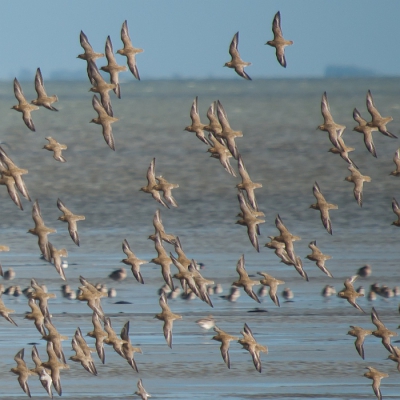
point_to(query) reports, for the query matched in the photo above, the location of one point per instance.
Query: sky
(190, 39)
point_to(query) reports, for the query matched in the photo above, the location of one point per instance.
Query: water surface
(309, 353)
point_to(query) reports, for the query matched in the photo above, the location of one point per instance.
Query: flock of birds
(221, 142)
(11, 177)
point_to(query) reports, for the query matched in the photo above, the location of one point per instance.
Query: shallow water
(309, 353)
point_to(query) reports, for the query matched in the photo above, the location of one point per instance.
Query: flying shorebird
(201, 283)
(396, 160)
(151, 183)
(382, 332)
(133, 261)
(112, 339)
(42, 98)
(4, 312)
(54, 365)
(42, 296)
(185, 276)
(142, 391)
(9, 182)
(366, 130)
(182, 258)
(376, 377)
(168, 317)
(92, 296)
(89, 54)
(396, 210)
(36, 315)
(236, 62)
(22, 371)
(38, 362)
(249, 219)
(358, 181)
(196, 126)
(71, 219)
(224, 338)
(214, 126)
(287, 238)
(360, 334)
(279, 42)
(46, 381)
(56, 148)
(395, 356)
(298, 266)
(105, 121)
(85, 359)
(112, 67)
(129, 51)
(166, 187)
(279, 248)
(221, 152)
(99, 334)
(55, 256)
(343, 151)
(23, 106)
(280, 251)
(55, 338)
(377, 120)
(227, 133)
(164, 261)
(250, 344)
(127, 349)
(15, 172)
(334, 130)
(159, 228)
(41, 231)
(244, 281)
(273, 284)
(319, 258)
(323, 206)
(350, 294)
(247, 184)
(82, 342)
(102, 87)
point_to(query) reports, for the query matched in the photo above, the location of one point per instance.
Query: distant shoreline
(186, 79)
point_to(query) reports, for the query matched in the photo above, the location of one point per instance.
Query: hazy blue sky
(190, 39)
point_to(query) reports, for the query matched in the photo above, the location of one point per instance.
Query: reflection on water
(310, 355)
